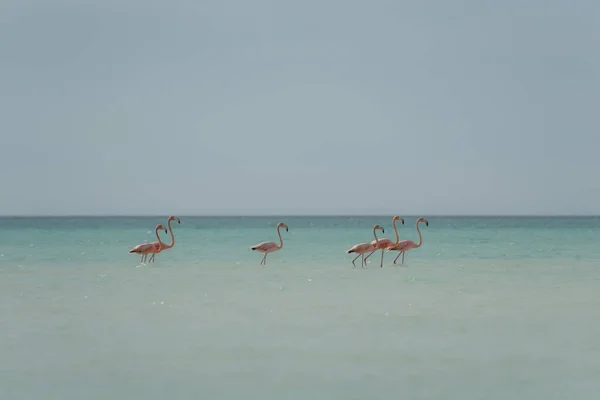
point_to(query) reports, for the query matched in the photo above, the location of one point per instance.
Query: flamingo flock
(360, 249)
(386, 244)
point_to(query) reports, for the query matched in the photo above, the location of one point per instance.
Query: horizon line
(289, 215)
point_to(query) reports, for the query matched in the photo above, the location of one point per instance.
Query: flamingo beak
(402, 222)
(166, 231)
(286, 229)
(426, 223)
(382, 230)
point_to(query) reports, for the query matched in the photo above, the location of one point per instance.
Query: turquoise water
(490, 308)
(225, 241)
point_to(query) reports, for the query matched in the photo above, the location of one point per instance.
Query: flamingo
(146, 248)
(404, 245)
(269, 247)
(365, 247)
(384, 243)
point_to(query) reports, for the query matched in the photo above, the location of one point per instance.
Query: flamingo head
(379, 227)
(396, 218)
(172, 218)
(159, 227)
(282, 225)
(423, 220)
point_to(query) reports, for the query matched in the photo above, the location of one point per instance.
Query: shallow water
(490, 308)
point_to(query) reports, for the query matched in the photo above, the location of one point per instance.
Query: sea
(487, 308)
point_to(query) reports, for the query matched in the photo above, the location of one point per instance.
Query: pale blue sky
(271, 106)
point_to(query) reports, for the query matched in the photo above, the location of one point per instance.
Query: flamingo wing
(136, 249)
(383, 243)
(361, 248)
(140, 248)
(265, 246)
(403, 245)
(154, 247)
(352, 249)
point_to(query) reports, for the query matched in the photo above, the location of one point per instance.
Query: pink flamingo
(365, 247)
(269, 247)
(404, 245)
(146, 248)
(384, 243)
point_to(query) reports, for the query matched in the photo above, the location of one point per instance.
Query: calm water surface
(487, 308)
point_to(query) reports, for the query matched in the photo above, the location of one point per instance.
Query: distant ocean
(487, 308)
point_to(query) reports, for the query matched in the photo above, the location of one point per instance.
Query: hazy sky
(293, 107)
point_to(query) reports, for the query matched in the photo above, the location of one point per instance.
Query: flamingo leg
(403, 257)
(264, 259)
(395, 259)
(370, 254)
(381, 258)
(356, 258)
(152, 258)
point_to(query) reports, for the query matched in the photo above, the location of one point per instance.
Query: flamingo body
(361, 248)
(145, 248)
(403, 245)
(266, 247)
(138, 249)
(154, 249)
(383, 243)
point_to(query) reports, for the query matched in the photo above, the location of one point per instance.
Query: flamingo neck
(420, 237)
(158, 237)
(280, 239)
(172, 236)
(376, 238)
(395, 230)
